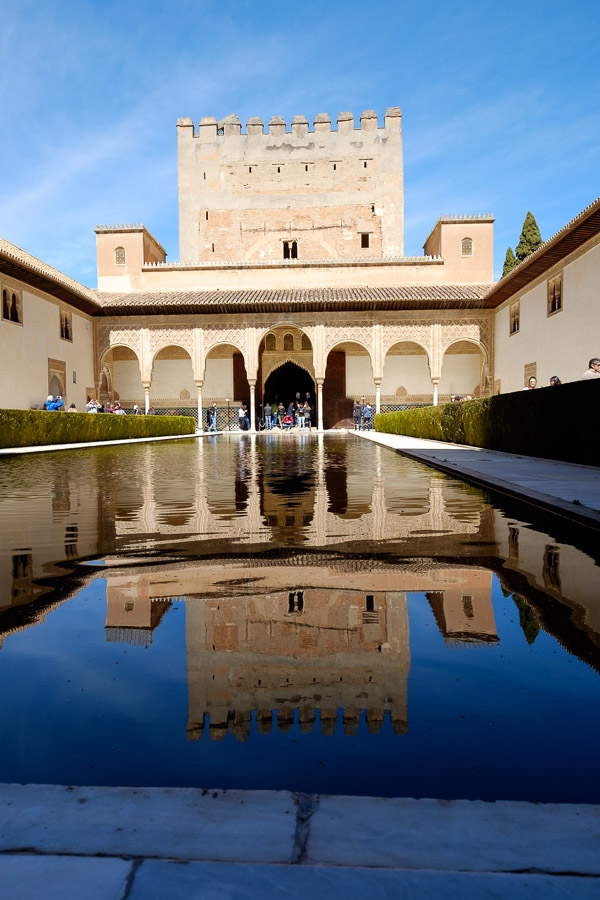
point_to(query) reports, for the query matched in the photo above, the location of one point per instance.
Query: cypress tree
(509, 262)
(530, 238)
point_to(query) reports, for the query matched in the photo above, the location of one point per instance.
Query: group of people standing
(298, 413)
(363, 416)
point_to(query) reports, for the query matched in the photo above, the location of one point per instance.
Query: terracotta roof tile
(405, 296)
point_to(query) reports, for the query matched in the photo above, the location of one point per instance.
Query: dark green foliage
(530, 238)
(553, 423)
(527, 619)
(509, 262)
(35, 428)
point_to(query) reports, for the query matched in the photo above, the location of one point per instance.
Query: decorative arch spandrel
(109, 336)
(349, 333)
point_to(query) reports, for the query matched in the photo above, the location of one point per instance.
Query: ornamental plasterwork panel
(109, 336)
(460, 331)
(164, 337)
(418, 333)
(228, 335)
(299, 359)
(349, 331)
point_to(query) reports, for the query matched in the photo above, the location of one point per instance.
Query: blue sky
(500, 105)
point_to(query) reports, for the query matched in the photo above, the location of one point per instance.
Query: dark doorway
(283, 384)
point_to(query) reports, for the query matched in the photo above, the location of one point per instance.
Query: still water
(298, 612)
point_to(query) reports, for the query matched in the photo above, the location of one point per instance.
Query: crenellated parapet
(211, 128)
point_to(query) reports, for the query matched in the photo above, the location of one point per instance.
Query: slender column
(319, 404)
(146, 396)
(435, 382)
(252, 406)
(377, 396)
(200, 417)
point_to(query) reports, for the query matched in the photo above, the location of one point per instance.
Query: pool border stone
(140, 841)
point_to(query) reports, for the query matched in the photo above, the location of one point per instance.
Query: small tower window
(12, 309)
(120, 258)
(364, 241)
(66, 326)
(270, 342)
(515, 317)
(207, 215)
(467, 247)
(288, 341)
(290, 249)
(555, 294)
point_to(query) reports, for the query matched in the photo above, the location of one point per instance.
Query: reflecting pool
(299, 612)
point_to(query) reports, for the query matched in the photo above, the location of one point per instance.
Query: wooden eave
(573, 236)
(42, 282)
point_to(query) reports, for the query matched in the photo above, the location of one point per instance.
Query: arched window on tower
(467, 246)
(288, 341)
(120, 258)
(5, 305)
(290, 249)
(270, 342)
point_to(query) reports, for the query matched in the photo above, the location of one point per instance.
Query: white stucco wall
(359, 376)
(25, 350)
(218, 379)
(561, 344)
(127, 380)
(170, 377)
(460, 374)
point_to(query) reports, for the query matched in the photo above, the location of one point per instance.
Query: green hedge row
(34, 428)
(552, 422)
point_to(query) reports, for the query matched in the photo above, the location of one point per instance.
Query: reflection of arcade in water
(284, 642)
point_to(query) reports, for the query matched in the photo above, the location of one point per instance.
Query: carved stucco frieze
(416, 332)
(353, 332)
(299, 359)
(214, 335)
(159, 338)
(110, 336)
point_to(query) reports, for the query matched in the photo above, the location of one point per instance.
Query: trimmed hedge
(34, 428)
(552, 422)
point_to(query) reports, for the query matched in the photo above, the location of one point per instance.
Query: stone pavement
(69, 843)
(565, 488)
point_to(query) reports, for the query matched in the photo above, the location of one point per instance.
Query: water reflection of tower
(286, 483)
(131, 615)
(295, 652)
(463, 609)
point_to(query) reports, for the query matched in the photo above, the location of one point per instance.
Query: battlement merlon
(210, 129)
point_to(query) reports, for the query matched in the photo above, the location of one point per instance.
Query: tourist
(246, 418)
(367, 411)
(136, 410)
(357, 413)
(280, 413)
(267, 413)
(118, 410)
(301, 416)
(554, 381)
(211, 415)
(531, 384)
(274, 421)
(241, 416)
(593, 369)
(288, 422)
(49, 400)
(307, 415)
(92, 406)
(72, 408)
(55, 404)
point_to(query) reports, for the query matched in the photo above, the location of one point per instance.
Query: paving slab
(29, 877)
(211, 881)
(178, 823)
(565, 488)
(468, 835)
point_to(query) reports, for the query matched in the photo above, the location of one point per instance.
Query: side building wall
(46, 346)
(552, 326)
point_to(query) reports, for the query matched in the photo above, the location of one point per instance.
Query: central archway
(286, 381)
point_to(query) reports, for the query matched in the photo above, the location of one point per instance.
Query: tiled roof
(571, 237)
(404, 296)
(27, 268)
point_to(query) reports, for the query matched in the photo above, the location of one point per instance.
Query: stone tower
(283, 195)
